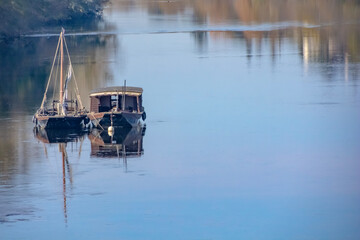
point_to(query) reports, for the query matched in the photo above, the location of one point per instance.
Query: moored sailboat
(62, 113)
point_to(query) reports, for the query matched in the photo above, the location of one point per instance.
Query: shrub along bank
(21, 16)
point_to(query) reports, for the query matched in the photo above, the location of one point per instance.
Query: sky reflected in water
(252, 126)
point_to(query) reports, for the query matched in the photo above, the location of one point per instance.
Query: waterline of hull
(60, 122)
(125, 120)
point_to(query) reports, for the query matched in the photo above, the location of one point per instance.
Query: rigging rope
(56, 73)
(52, 68)
(72, 69)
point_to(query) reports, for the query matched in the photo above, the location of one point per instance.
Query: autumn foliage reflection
(324, 29)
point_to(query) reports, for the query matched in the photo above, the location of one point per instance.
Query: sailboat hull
(60, 122)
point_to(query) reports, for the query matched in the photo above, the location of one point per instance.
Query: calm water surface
(253, 127)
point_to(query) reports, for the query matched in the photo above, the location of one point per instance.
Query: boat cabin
(125, 99)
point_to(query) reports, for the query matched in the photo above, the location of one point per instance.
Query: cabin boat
(62, 112)
(117, 107)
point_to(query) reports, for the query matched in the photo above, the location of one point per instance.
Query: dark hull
(124, 120)
(60, 122)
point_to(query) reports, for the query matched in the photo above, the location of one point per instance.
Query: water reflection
(329, 28)
(62, 138)
(25, 65)
(124, 143)
(327, 33)
(59, 136)
(293, 138)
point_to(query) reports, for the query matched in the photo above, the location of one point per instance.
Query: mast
(61, 69)
(117, 101)
(124, 96)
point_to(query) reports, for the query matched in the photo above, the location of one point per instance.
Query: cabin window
(106, 103)
(114, 100)
(130, 103)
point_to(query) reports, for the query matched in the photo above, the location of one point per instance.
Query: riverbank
(19, 17)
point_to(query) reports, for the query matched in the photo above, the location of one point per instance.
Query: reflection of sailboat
(51, 136)
(58, 136)
(123, 143)
(64, 113)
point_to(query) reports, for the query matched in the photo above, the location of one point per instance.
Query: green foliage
(19, 16)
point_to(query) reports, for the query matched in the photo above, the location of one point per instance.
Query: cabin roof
(135, 91)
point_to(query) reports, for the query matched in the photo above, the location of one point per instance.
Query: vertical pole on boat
(117, 100)
(123, 101)
(61, 70)
(111, 128)
(138, 103)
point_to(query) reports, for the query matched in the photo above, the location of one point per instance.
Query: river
(252, 128)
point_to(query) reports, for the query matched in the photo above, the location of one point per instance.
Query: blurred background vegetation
(21, 16)
(328, 32)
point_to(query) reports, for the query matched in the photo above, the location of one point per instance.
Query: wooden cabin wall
(94, 104)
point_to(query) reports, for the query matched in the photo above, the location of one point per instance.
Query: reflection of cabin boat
(124, 143)
(116, 106)
(62, 113)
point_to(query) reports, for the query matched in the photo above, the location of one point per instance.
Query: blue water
(248, 136)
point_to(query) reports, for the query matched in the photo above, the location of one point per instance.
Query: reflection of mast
(65, 164)
(62, 148)
(61, 138)
(123, 151)
(124, 155)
